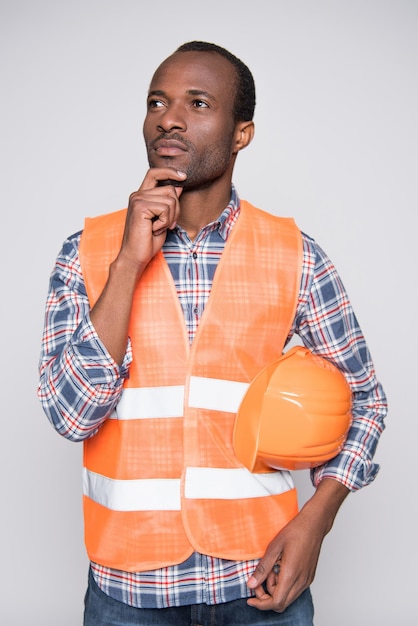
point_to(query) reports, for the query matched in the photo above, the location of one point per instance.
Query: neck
(202, 206)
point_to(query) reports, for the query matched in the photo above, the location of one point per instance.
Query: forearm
(321, 509)
(111, 314)
(151, 211)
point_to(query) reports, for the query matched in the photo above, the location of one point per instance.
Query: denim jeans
(102, 610)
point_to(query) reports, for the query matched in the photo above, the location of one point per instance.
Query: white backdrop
(336, 147)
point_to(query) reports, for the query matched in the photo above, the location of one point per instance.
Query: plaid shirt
(80, 384)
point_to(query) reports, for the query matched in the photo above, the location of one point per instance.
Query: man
(155, 317)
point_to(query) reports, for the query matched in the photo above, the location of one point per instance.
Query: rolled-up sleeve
(327, 325)
(79, 382)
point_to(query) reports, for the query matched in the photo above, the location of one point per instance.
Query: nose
(172, 118)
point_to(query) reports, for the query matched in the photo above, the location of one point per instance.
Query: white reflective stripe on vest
(234, 484)
(150, 402)
(154, 402)
(215, 394)
(157, 494)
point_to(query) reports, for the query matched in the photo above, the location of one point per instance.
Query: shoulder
(255, 212)
(313, 254)
(105, 220)
(316, 256)
(71, 244)
(263, 222)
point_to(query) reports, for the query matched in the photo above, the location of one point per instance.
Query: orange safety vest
(160, 478)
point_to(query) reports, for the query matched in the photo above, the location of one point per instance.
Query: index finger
(156, 175)
(262, 569)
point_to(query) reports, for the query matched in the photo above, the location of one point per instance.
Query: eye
(200, 104)
(153, 103)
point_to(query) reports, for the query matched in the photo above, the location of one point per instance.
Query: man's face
(189, 123)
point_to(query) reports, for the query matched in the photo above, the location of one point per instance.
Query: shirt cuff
(96, 361)
(350, 470)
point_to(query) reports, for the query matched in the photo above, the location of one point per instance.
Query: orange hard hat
(295, 414)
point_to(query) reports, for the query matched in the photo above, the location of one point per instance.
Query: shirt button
(195, 255)
(196, 310)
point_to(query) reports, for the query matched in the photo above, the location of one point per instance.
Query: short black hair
(245, 96)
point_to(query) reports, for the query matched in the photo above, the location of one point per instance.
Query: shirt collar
(223, 224)
(229, 215)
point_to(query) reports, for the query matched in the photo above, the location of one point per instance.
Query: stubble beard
(201, 170)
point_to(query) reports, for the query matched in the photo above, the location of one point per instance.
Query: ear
(244, 133)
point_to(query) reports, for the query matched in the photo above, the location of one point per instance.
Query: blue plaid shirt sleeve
(327, 325)
(79, 381)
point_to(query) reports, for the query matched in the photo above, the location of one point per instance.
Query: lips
(168, 147)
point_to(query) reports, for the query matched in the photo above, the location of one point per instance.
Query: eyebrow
(190, 92)
(200, 92)
(156, 92)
